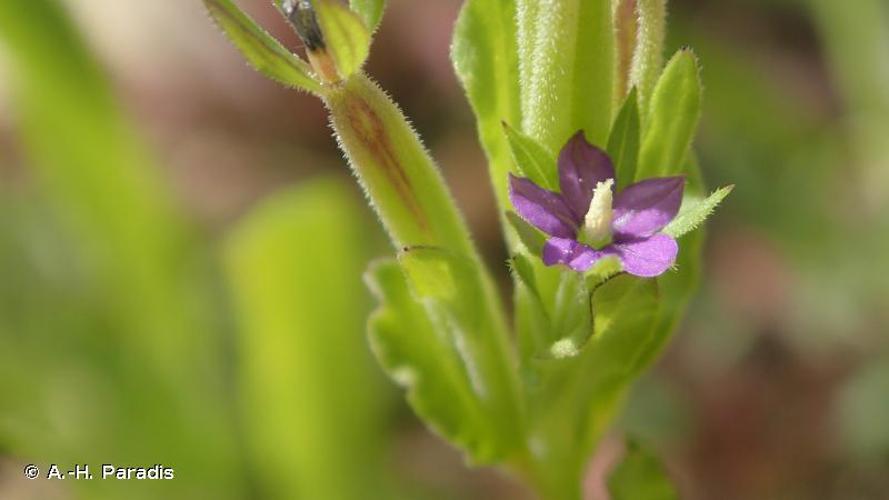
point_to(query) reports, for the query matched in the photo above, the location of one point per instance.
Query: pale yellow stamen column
(596, 230)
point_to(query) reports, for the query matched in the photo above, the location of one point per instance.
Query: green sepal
(532, 159)
(529, 235)
(695, 211)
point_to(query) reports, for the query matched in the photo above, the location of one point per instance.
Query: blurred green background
(181, 249)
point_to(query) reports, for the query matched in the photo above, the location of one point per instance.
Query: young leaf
(567, 84)
(418, 355)
(623, 143)
(262, 51)
(371, 11)
(345, 36)
(300, 336)
(695, 211)
(640, 475)
(485, 59)
(648, 56)
(531, 159)
(673, 117)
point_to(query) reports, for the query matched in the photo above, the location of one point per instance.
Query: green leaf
(648, 55)
(531, 159)
(567, 70)
(485, 59)
(445, 283)
(371, 11)
(640, 476)
(417, 354)
(345, 36)
(623, 143)
(300, 336)
(695, 211)
(262, 51)
(673, 118)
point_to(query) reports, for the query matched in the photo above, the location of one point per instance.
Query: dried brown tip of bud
(301, 15)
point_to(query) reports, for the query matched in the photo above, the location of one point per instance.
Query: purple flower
(588, 221)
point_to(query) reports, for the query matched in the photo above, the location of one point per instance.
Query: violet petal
(569, 252)
(647, 257)
(541, 208)
(645, 207)
(581, 167)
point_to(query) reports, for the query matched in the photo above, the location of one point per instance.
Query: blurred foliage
(640, 475)
(302, 358)
(129, 372)
(114, 344)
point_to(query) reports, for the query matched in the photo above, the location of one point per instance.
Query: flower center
(596, 230)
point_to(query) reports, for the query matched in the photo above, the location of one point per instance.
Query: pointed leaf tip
(623, 141)
(371, 11)
(261, 50)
